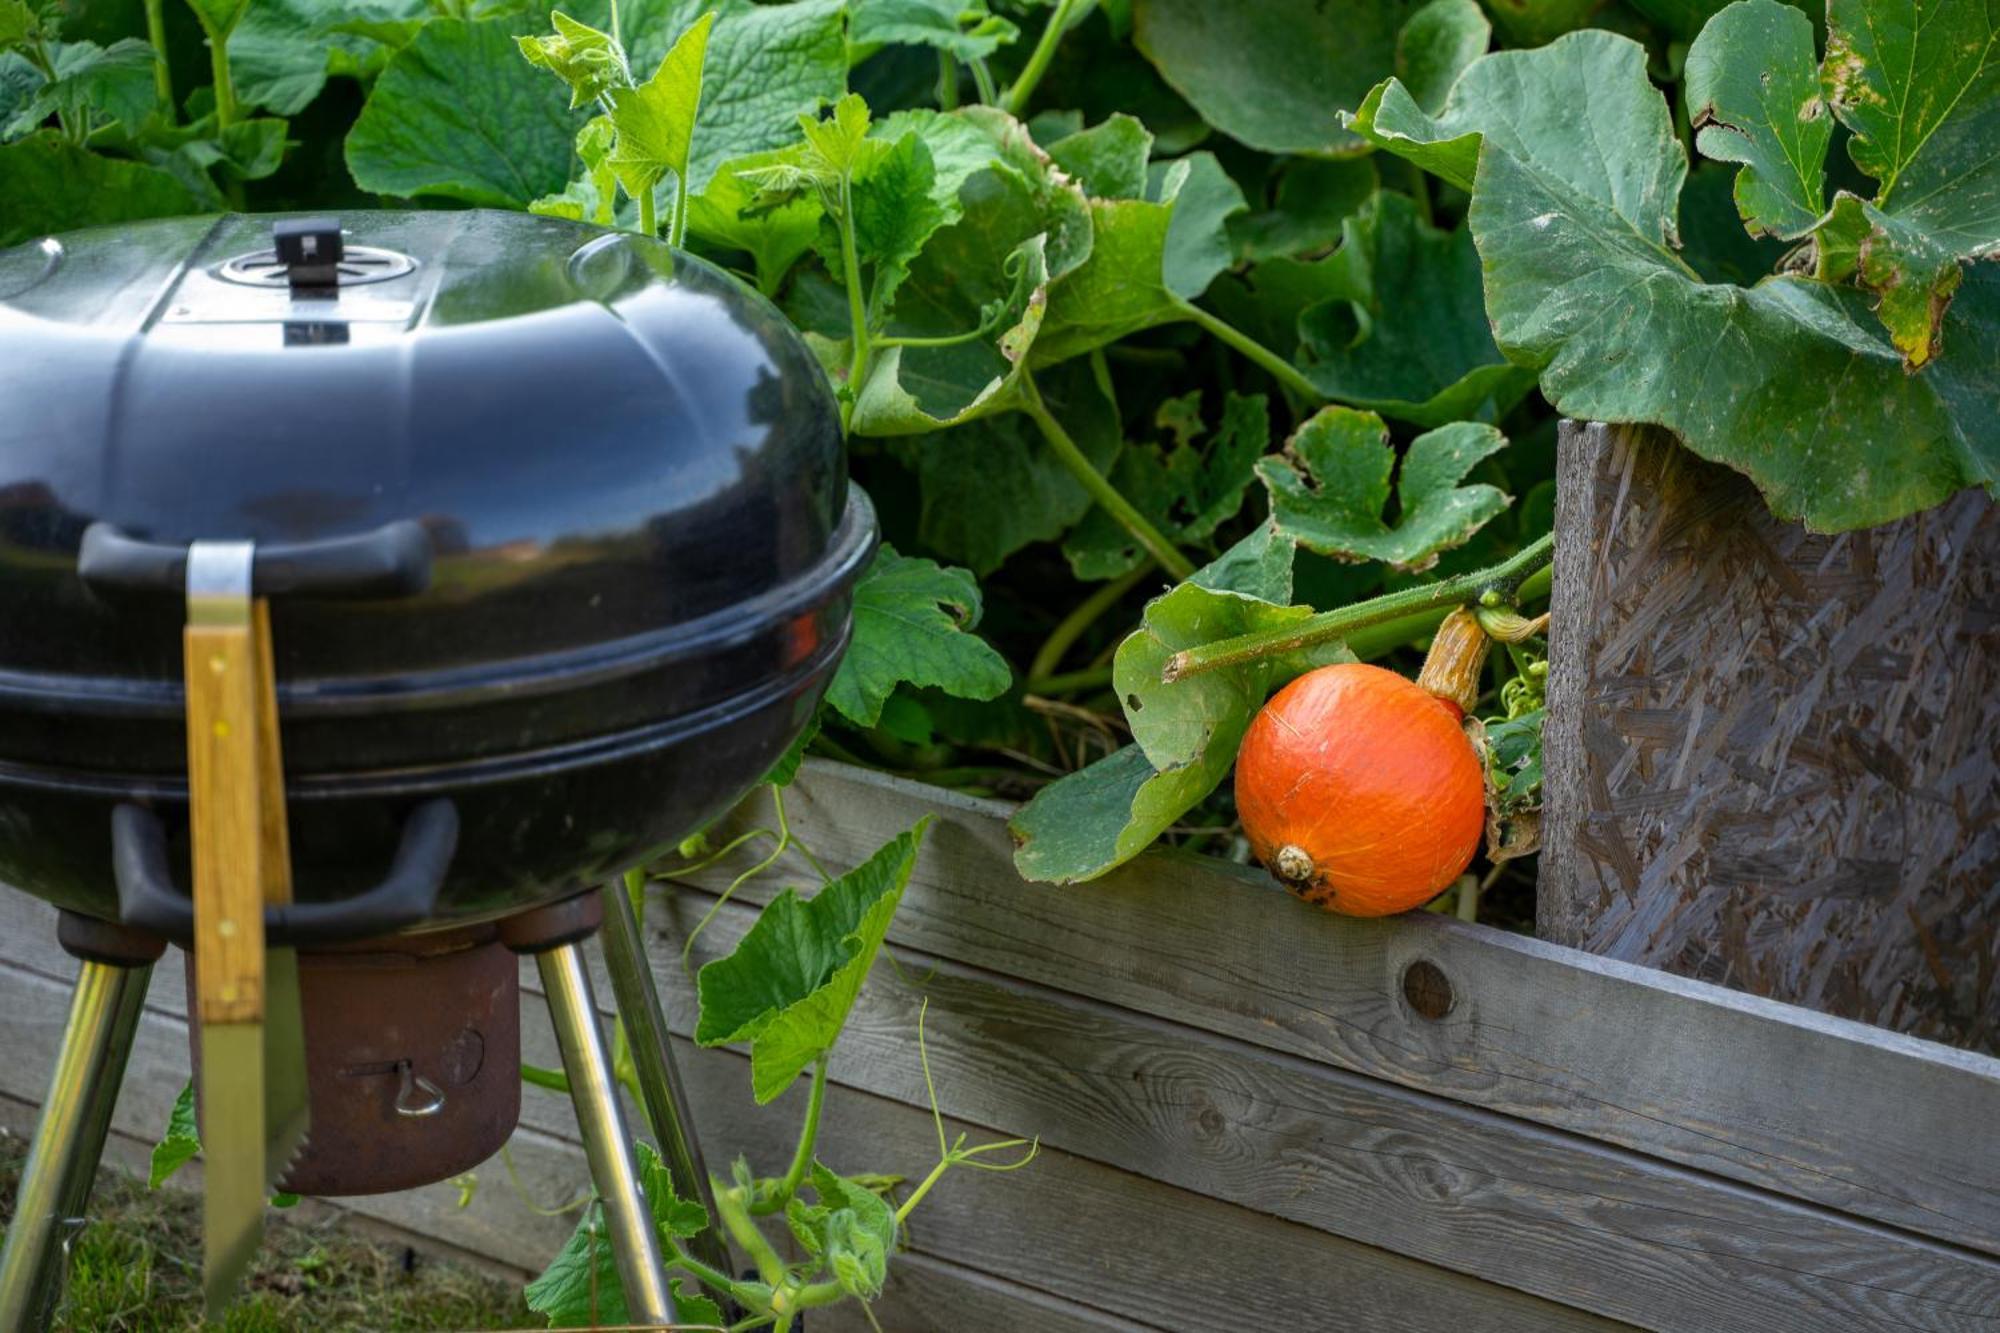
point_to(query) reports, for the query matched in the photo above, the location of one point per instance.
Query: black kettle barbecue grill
(545, 538)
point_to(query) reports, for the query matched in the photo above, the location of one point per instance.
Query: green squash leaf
(218, 17)
(593, 196)
(1313, 199)
(1918, 81)
(1753, 96)
(1404, 330)
(963, 29)
(93, 84)
(181, 1143)
(1273, 74)
(728, 213)
(789, 984)
(655, 121)
(993, 486)
(1187, 489)
(1791, 381)
(459, 115)
(1330, 488)
(52, 185)
(766, 66)
(913, 621)
(1436, 44)
(282, 51)
(1185, 734)
(1109, 160)
(580, 1287)
(1537, 22)
(1149, 258)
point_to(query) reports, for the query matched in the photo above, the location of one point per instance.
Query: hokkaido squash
(1359, 789)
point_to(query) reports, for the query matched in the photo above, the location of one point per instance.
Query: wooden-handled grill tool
(253, 1077)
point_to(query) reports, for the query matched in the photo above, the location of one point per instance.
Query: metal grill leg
(646, 1032)
(76, 1116)
(634, 1243)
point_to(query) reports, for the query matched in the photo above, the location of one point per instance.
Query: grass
(136, 1268)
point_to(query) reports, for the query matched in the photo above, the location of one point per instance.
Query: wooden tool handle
(276, 842)
(226, 821)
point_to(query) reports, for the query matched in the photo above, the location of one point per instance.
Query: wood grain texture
(1774, 757)
(226, 820)
(1563, 1217)
(1042, 1231)
(1771, 1095)
(274, 830)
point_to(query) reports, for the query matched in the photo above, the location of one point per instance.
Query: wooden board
(1770, 1095)
(1036, 1237)
(1774, 757)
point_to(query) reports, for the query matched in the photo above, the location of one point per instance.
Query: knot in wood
(1428, 989)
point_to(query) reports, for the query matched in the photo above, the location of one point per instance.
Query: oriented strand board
(1774, 756)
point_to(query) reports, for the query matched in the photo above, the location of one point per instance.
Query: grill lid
(620, 459)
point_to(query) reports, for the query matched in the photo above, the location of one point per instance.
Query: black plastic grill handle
(393, 560)
(149, 901)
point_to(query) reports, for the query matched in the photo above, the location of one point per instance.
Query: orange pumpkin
(1360, 791)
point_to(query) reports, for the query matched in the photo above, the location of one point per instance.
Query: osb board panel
(1774, 756)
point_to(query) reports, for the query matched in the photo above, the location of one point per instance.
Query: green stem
(225, 87)
(715, 1278)
(1100, 489)
(1086, 614)
(649, 214)
(1038, 63)
(615, 36)
(1068, 682)
(1505, 579)
(857, 311)
(943, 340)
(802, 1156)
(1280, 369)
(677, 224)
(982, 79)
(924, 1187)
(736, 1221)
(947, 88)
(538, 1077)
(163, 77)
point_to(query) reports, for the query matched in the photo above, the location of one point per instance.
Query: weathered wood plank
(1565, 1217)
(1216, 1266)
(1835, 1112)
(1774, 757)
(924, 1294)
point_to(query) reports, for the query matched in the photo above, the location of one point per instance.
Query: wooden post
(1774, 757)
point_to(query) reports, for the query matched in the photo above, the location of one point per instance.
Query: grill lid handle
(311, 250)
(149, 901)
(393, 560)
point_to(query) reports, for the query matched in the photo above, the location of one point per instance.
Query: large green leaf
(1149, 258)
(459, 115)
(580, 1287)
(1312, 201)
(1330, 488)
(593, 196)
(282, 50)
(767, 65)
(655, 121)
(1274, 74)
(1791, 381)
(1404, 330)
(789, 984)
(1918, 81)
(992, 485)
(1754, 97)
(1534, 22)
(1186, 489)
(51, 185)
(1185, 734)
(1109, 159)
(1435, 46)
(590, 61)
(727, 213)
(93, 83)
(964, 29)
(913, 622)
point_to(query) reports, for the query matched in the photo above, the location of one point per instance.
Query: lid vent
(359, 264)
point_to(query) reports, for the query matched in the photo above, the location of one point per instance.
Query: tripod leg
(76, 1116)
(634, 1242)
(646, 1032)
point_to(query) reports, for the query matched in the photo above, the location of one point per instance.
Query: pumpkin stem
(1293, 864)
(1457, 656)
